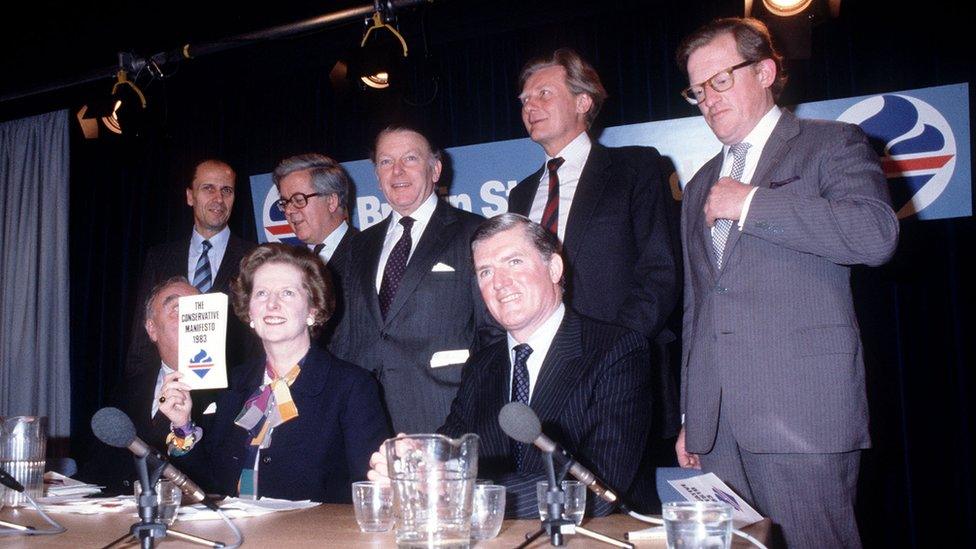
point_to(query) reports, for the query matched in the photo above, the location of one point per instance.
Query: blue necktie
(520, 391)
(202, 279)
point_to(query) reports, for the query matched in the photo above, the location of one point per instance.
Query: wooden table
(327, 525)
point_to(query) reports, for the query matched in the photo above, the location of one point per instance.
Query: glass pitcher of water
(433, 482)
(23, 442)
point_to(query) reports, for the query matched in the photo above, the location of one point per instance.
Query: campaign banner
(922, 137)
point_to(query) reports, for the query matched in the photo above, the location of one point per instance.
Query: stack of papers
(89, 506)
(240, 508)
(59, 488)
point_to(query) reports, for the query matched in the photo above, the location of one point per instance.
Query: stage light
(381, 54)
(119, 112)
(786, 8)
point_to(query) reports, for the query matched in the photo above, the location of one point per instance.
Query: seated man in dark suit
(138, 395)
(586, 380)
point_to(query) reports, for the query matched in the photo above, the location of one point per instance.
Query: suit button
(721, 289)
(385, 336)
(266, 460)
(126, 483)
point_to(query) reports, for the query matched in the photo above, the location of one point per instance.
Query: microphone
(9, 481)
(113, 427)
(520, 423)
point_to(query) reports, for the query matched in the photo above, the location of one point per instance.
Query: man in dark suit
(138, 396)
(314, 192)
(611, 209)
(209, 258)
(587, 380)
(413, 312)
(773, 388)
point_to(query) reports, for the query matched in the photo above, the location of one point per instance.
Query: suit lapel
(777, 147)
(561, 370)
(592, 182)
(521, 197)
(701, 237)
(496, 391)
(435, 236)
(369, 264)
(230, 262)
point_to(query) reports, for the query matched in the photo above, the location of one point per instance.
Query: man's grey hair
(327, 176)
(158, 289)
(542, 240)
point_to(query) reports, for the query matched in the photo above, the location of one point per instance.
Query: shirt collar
(216, 241)
(335, 237)
(575, 153)
(421, 215)
(760, 134)
(541, 338)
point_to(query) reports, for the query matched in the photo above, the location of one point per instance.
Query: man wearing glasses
(773, 394)
(314, 192)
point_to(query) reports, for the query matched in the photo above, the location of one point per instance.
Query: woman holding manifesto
(297, 424)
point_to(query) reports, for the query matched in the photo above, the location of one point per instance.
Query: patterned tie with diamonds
(720, 234)
(396, 264)
(520, 391)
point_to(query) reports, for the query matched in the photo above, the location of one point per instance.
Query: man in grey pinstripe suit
(587, 381)
(773, 394)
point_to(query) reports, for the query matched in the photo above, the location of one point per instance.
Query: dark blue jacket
(315, 456)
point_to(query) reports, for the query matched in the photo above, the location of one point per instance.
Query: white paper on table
(241, 508)
(89, 506)
(203, 341)
(709, 487)
(57, 485)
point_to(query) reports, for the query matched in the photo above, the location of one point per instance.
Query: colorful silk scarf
(269, 406)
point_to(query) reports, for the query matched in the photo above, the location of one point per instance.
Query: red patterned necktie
(550, 216)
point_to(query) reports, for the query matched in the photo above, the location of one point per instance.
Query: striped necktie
(202, 278)
(550, 215)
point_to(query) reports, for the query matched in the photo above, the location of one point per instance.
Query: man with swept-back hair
(412, 310)
(773, 389)
(611, 209)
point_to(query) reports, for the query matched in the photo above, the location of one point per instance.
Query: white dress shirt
(421, 217)
(574, 157)
(540, 341)
(218, 243)
(331, 242)
(757, 139)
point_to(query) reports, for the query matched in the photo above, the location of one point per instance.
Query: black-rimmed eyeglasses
(298, 200)
(721, 81)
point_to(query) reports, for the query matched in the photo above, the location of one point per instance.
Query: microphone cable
(18, 530)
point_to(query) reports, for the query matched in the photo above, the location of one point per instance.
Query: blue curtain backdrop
(256, 105)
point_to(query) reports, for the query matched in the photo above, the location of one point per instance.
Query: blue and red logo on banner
(922, 137)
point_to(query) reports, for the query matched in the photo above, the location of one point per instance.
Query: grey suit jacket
(772, 337)
(432, 311)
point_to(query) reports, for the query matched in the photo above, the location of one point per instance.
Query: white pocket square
(446, 358)
(442, 268)
(211, 409)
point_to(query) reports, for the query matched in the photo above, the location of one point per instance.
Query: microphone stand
(556, 525)
(150, 527)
